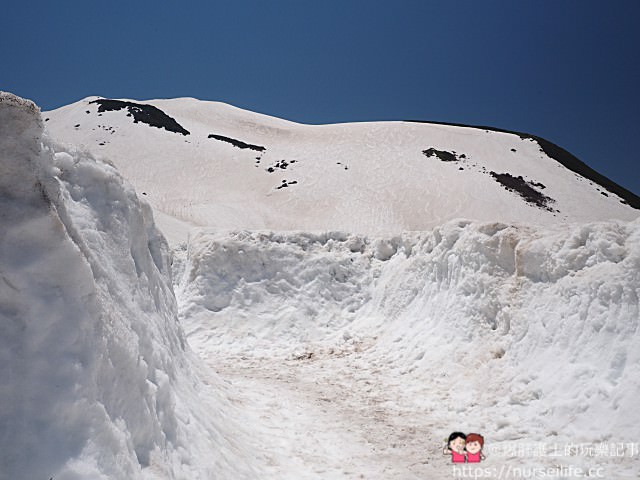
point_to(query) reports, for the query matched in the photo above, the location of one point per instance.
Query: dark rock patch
(237, 143)
(285, 184)
(111, 130)
(525, 189)
(142, 113)
(443, 155)
(280, 164)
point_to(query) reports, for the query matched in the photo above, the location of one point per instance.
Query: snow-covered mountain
(410, 280)
(212, 164)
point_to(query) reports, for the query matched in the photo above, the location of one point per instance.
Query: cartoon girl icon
(474, 445)
(455, 447)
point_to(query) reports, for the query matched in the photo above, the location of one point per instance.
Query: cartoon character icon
(455, 447)
(474, 444)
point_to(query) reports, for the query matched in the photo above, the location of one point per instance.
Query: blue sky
(566, 70)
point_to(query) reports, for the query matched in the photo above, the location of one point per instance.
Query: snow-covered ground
(525, 334)
(339, 327)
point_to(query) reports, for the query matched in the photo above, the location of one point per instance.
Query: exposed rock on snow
(237, 143)
(442, 155)
(561, 155)
(527, 190)
(148, 114)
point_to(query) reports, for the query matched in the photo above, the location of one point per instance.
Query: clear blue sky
(566, 70)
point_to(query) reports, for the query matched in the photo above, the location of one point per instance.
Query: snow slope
(96, 379)
(224, 167)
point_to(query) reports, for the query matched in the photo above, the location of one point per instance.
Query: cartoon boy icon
(455, 447)
(474, 445)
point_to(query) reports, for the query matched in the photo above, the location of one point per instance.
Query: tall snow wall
(96, 380)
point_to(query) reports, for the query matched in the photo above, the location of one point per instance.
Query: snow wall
(521, 332)
(96, 379)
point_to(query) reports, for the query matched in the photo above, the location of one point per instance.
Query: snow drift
(522, 332)
(96, 378)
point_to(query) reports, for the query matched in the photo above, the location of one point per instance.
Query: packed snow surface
(340, 326)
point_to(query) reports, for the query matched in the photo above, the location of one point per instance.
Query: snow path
(341, 415)
(330, 416)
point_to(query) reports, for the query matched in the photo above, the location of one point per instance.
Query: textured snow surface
(524, 333)
(96, 378)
